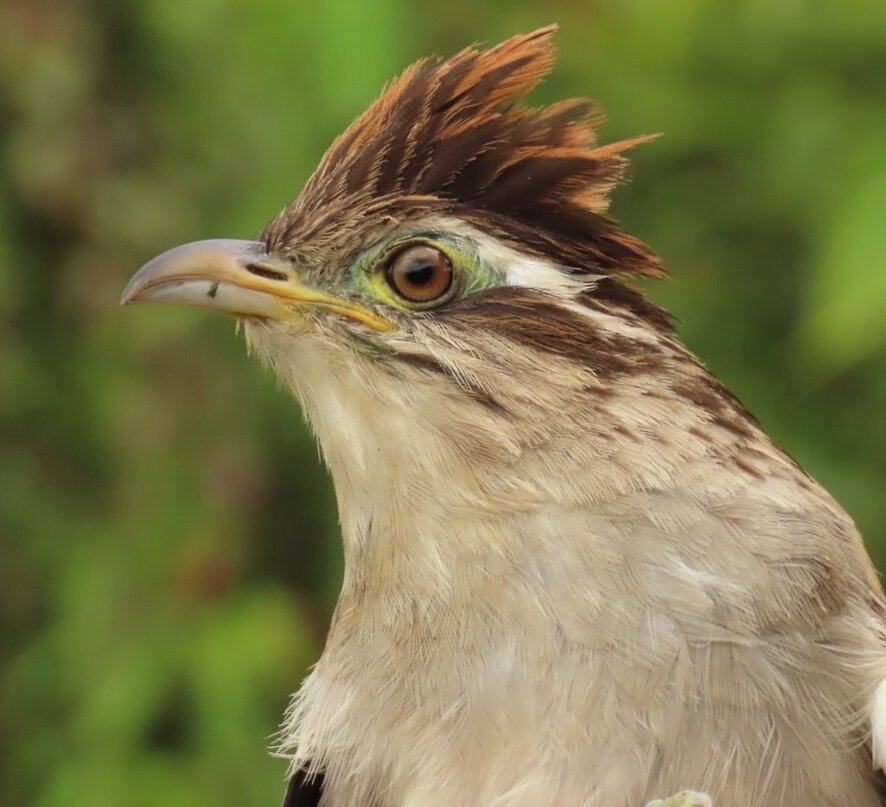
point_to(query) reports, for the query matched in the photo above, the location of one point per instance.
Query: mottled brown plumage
(451, 137)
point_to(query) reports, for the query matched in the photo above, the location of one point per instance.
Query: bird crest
(453, 136)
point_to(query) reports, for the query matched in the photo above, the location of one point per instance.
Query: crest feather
(451, 134)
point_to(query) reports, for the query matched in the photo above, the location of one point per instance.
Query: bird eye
(420, 274)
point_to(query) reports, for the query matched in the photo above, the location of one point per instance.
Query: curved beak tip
(192, 273)
(129, 293)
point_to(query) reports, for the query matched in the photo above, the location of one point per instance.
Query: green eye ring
(420, 274)
(372, 274)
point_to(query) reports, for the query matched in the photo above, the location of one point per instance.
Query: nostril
(264, 271)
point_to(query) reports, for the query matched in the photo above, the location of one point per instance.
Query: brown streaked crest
(450, 136)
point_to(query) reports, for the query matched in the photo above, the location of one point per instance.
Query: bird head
(448, 287)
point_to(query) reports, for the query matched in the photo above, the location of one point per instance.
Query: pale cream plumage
(583, 610)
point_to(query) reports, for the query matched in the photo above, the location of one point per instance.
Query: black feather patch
(304, 790)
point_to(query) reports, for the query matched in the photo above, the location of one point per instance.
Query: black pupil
(419, 271)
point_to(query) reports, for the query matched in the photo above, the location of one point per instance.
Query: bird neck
(450, 506)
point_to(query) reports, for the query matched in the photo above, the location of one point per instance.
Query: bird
(576, 569)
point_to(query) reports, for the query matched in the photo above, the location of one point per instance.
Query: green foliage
(169, 549)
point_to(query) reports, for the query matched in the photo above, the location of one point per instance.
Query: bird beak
(238, 277)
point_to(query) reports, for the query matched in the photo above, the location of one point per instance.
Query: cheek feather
(878, 725)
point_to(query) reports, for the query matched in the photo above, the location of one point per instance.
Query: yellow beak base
(237, 277)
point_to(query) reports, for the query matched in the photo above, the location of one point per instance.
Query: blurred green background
(169, 551)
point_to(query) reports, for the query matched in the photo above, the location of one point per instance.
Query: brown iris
(421, 274)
